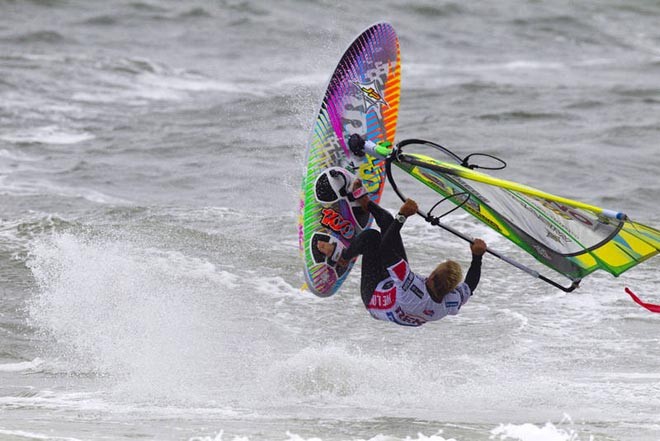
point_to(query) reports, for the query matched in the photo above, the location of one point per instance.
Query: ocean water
(150, 161)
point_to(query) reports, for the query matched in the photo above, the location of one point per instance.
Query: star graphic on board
(372, 95)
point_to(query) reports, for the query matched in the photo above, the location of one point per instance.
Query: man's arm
(478, 248)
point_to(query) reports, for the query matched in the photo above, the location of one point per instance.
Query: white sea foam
(522, 65)
(85, 193)
(302, 80)
(21, 366)
(190, 83)
(35, 435)
(149, 87)
(103, 402)
(533, 432)
(18, 156)
(136, 97)
(47, 135)
(276, 286)
(146, 317)
(28, 187)
(347, 376)
(514, 432)
(290, 436)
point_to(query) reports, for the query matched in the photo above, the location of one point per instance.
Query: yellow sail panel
(613, 257)
(586, 261)
(637, 244)
(649, 235)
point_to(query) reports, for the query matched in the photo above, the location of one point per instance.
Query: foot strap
(348, 180)
(356, 194)
(337, 253)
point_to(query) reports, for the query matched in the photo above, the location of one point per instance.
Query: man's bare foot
(326, 248)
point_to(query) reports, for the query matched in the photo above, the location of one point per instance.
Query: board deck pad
(362, 97)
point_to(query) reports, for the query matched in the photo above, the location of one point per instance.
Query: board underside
(362, 97)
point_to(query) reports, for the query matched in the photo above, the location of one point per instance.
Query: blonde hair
(445, 277)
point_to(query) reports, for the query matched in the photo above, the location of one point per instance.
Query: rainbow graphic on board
(362, 97)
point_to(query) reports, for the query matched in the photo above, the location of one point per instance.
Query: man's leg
(367, 243)
(393, 245)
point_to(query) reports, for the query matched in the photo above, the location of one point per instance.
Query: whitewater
(151, 153)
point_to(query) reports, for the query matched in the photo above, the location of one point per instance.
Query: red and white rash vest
(402, 298)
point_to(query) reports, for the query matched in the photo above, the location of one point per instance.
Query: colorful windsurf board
(362, 97)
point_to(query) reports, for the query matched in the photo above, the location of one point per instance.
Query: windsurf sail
(571, 237)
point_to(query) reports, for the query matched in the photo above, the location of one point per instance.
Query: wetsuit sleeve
(474, 273)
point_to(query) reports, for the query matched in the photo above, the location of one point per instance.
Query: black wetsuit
(385, 248)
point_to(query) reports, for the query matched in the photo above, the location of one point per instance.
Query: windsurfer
(389, 289)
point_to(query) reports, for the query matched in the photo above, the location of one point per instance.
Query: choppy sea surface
(150, 162)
